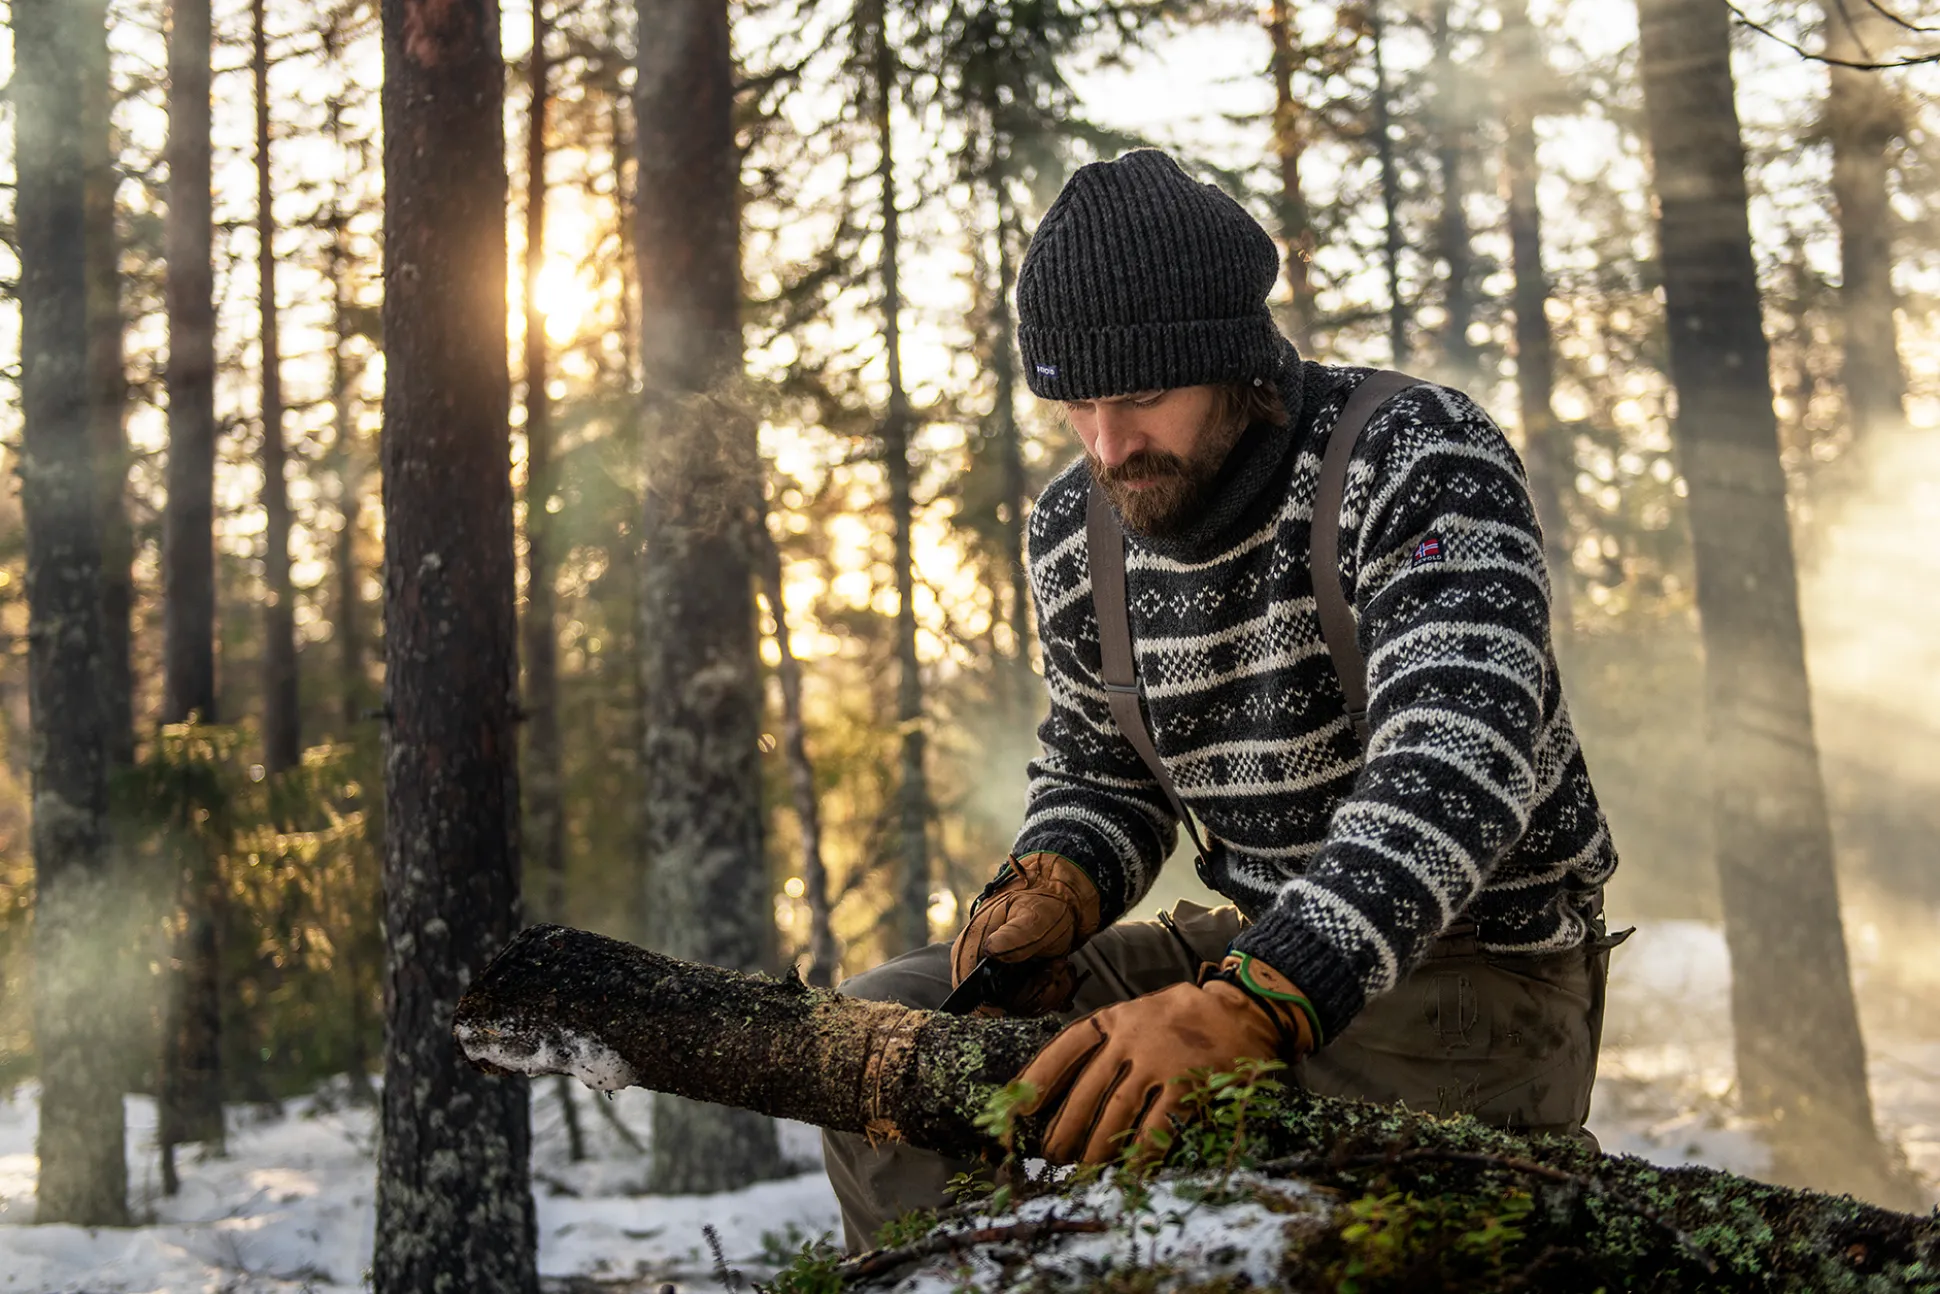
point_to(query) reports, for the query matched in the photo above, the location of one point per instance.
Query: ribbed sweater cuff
(1297, 952)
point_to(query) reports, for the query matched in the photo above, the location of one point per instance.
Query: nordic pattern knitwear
(1473, 798)
(1141, 279)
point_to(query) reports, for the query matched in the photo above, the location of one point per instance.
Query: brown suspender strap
(1105, 544)
(1106, 549)
(1338, 628)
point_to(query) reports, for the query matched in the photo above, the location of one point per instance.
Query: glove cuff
(1291, 1011)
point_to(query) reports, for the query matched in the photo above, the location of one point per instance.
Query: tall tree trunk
(108, 387)
(545, 814)
(700, 658)
(622, 143)
(80, 1142)
(1801, 1061)
(1452, 131)
(188, 557)
(1289, 146)
(1546, 448)
(282, 722)
(822, 958)
(347, 455)
(546, 821)
(912, 794)
(1390, 186)
(1864, 118)
(454, 1198)
(1016, 486)
(191, 1081)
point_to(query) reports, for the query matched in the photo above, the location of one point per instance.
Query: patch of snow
(1173, 1228)
(557, 1051)
(290, 1209)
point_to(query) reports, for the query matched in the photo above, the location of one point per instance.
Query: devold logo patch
(1427, 551)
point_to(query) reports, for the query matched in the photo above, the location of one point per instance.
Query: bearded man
(1415, 890)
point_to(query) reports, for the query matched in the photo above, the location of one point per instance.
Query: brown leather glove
(1039, 908)
(1111, 1075)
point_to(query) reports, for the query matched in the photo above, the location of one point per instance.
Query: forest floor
(289, 1208)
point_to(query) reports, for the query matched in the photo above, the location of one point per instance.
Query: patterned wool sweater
(1473, 798)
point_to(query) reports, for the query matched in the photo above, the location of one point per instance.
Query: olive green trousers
(1511, 1040)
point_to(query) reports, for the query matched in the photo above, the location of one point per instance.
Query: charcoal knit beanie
(1139, 278)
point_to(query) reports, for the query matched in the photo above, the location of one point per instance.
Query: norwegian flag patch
(1427, 551)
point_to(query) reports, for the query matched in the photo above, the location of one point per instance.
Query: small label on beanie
(1047, 370)
(1428, 550)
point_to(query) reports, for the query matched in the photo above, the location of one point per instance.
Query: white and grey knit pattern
(1473, 799)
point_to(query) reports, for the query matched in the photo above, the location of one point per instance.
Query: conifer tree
(454, 1199)
(1545, 446)
(80, 1141)
(282, 719)
(1801, 1060)
(191, 1071)
(108, 384)
(1864, 118)
(710, 898)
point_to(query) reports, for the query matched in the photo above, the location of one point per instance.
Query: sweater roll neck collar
(1251, 483)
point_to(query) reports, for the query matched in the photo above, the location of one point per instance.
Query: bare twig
(883, 1260)
(1913, 60)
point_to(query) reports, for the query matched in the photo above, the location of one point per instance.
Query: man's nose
(1116, 440)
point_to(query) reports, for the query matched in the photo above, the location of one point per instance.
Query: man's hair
(1245, 404)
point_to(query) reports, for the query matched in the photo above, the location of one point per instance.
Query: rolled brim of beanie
(1089, 363)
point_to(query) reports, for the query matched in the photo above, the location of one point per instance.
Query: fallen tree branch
(613, 1015)
(559, 1000)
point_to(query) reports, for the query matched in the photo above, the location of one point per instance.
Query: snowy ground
(289, 1209)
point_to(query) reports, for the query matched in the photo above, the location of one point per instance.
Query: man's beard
(1180, 486)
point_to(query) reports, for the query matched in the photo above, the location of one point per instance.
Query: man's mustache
(1145, 465)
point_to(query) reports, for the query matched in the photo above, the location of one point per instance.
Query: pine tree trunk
(454, 1200)
(80, 1142)
(545, 814)
(347, 459)
(700, 662)
(191, 1080)
(1546, 448)
(546, 822)
(822, 959)
(1016, 486)
(188, 545)
(1452, 131)
(1801, 1061)
(566, 1001)
(912, 791)
(282, 719)
(1863, 119)
(108, 385)
(1398, 348)
(1289, 146)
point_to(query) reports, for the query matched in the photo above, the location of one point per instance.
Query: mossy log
(614, 1015)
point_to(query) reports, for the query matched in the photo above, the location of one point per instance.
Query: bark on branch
(614, 1015)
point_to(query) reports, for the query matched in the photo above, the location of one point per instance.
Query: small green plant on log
(1441, 1241)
